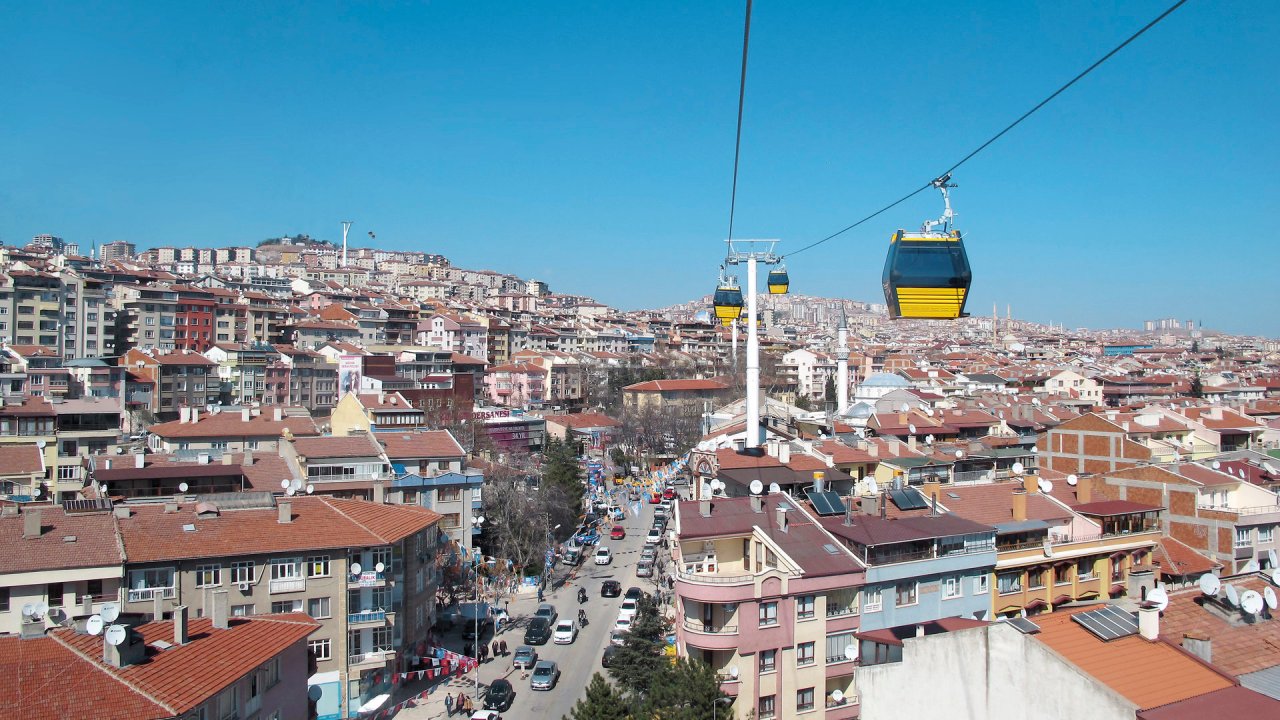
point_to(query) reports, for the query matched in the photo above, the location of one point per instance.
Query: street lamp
(716, 703)
(477, 522)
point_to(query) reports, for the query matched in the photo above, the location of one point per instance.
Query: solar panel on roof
(1108, 623)
(1025, 626)
(80, 507)
(953, 496)
(827, 503)
(831, 549)
(908, 499)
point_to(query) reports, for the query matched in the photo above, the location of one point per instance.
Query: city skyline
(595, 144)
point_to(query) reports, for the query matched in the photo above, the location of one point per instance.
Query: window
(804, 606)
(1266, 533)
(450, 521)
(768, 614)
(93, 588)
(1242, 537)
(1084, 569)
(228, 707)
(768, 660)
(318, 566)
(1117, 568)
(448, 494)
(320, 649)
(837, 645)
(271, 672)
(382, 639)
(289, 569)
(55, 592)
(804, 699)
(286, 606)
(241, 610)
(1009, 582)
(951, 588)
(208, 575)
(907, 594)
(241, 572)
(766, 707)
(4, 599)
(804, 654)
(318, 608)
(842, 602)
(1035, 578)
(871, 600)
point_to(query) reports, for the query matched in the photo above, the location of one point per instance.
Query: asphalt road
(581, 659)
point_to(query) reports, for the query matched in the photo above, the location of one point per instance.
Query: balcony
(145, 594)
(367, 578)
(706, 628)
(369, 619)
(287, 585)
(374, 658)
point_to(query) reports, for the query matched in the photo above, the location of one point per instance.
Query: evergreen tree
(802, 402)
(1197, 387)
(601, 703)
(829, 392)
(684, 691)
(639, 664)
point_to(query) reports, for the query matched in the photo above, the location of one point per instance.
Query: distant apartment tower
(46, 243)
(117, 250)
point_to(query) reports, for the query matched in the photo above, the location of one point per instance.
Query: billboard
(350, 369)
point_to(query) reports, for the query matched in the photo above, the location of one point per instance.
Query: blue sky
(590, 144)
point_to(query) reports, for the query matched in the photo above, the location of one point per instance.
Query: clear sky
(590, 144)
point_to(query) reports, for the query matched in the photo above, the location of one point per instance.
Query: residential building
(213, 433)
(670, 394)
(430, 470)
(360, 412)
(145, 317)
(168, 381)
(521, 385)
(1090, 444)
(116, 250)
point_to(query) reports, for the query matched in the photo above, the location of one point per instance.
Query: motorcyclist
(582, 618)
(582, 595)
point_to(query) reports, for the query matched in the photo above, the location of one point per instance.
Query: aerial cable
(737, 142)
(998, 135)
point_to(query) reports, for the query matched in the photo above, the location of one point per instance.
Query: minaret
(842, 366)
(346, 225)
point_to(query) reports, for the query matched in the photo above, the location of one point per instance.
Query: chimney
(1084, 490)
(121, 512)
(1019, 505)
(1149, 621)
(911, 442)
(285, 512)
(31, 524)
(902, 418)
(704, 508)
(171, 506)
(757, 503)
(157, 607)
(893, 447)
(870, 504)
(1030, 483)
(919, 631)
(180, 625)
(278, 414)
(106, 464)
(184, 414)
(86, 605)
(1198, 644)
(848, 510)
(873, 449)
(784, 453)
(884, 504)
(227, 459)
(247, 460)
(379, 493)
(782, 519)
(195, 415)
(221, 610)
(244, 414)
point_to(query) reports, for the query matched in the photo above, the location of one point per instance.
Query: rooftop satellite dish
(1209, 585)
(57, 615)
(1272, 560)
(1072, 480)
(1216, 465)
(355, 568)
(774, 488)
(40, 444)
(93, 625)
(928, 411)
(28, 610)
(290, 492)
(1269, 596)
(1035, 401)
(1251, 602)
(116, 634)
(850, 652)
(284, 484)
(756, 486)
(911, 428)
(110, 612)
(1275, 576)
(1018, 468)
(311, 489)
(904, 407)
(1233, 597)
(959, 454)
(1046, 486)
(297, 483)
(733, 671)
(1270, 469)
(42, 608)
(837, 695)
(1160, 597)
(183, 487)
(928, 439)
(1251, 567)
(379, 567)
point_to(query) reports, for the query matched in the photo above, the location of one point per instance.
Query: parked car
(566, 632)
(610, 588)
(545, 675)
(572, 555)
(634, 593)
(644, 569)
(499, 695)
(617, 637)
(538, 632)
(547, 611)
(485, 715)
(649, 554)
(654, 537)
(629, 608)
(604, 556)
(609, 651)
(623, 623)
(525, 657)
(617, 533)
(668, 493)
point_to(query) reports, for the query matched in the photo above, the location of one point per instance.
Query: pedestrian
(504, 648)
(448, 705)
(466, 705)
(495, 648)
(484, 650)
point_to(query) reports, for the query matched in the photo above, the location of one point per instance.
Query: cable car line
(998, 135)
(737, 142)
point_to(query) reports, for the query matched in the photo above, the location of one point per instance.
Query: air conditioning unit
(244, 587)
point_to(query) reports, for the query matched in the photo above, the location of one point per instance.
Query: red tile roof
(583, 420)
(1175, 558)
(20, 459)
(676, 386)
(184, 676)
(1236, 702)
(95, 544)
(326, 448)
(319, 522)
(42, 679)
(1238, 647)
(992, 504)
(230, 424)
(421, 444)
(730, 459)
(1113, 507)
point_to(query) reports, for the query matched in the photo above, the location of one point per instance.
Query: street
(576, 661)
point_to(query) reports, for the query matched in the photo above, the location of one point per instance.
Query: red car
(669, 494)
(617, 533)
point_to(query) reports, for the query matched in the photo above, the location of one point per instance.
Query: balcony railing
(1255, 510)
(709, 628)
(288, 585)
(369, 616)
(713, 578)
(373, 656)
(143, 594)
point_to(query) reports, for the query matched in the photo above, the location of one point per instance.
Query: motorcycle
(582, 595)
(582, 618)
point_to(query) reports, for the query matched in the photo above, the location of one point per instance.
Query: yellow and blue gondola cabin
(727, 303)
(926, 276)
(779, 281)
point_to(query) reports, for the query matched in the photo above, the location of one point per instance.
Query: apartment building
(352, 466)
(429, 469)
(165, 382)
(65, 558)
(772, 602)
(31, 308)
(213, 433)
(88, 329)
(521, 385)
(366, 572)
(312, 381)
(145, 317)
(31, 421)
(244, 371)
(116, 250)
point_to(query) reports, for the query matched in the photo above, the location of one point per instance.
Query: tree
(638, 664)
(802, 402)
(601, 703)
(685, 691)
(829, 392)
(1197, 387)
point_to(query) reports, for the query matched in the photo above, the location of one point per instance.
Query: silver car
(545, 675)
